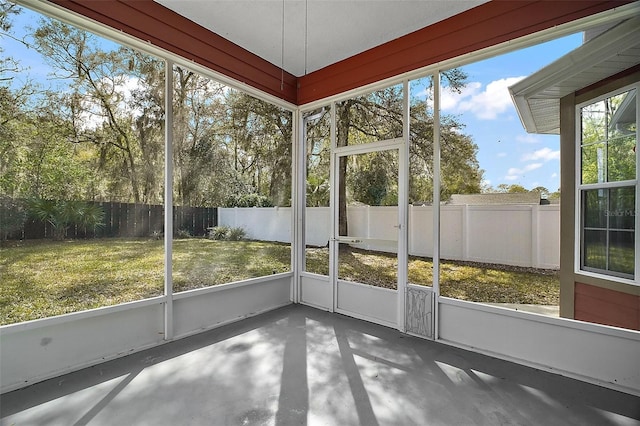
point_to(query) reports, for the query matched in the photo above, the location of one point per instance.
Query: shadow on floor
(302, 366)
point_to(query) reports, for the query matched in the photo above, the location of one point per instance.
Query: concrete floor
(302, 366)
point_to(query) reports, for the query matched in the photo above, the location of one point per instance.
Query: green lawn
(45, 278)
(476, 282)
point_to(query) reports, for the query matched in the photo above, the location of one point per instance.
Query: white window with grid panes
(607, 186)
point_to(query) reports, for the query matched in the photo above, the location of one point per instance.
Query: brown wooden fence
(130, 220)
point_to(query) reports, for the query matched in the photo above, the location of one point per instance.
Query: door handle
(347, 240)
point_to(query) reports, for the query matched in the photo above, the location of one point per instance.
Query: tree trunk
(343, 226)
(342, 139)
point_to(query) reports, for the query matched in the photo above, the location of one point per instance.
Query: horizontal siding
(608, 307)
(483, 26)
(152, 22)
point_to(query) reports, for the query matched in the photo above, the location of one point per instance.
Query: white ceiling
(317, 33)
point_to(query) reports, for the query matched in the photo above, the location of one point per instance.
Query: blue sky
(507, 153)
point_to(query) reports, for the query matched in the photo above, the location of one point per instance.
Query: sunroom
(290, 162)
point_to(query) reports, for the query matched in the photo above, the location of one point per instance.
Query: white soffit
(317, 33)
(537, 97)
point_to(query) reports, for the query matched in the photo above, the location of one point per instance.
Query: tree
(8, 65)
(554, 195)
(544, 192)
(96, 104)
(378, 116)
(512, 189)
(12, 104)
(264, 131)
(318, 158)
(201, 175)
(98, 135)
(608, 141)
(375, 180)
(460, 170)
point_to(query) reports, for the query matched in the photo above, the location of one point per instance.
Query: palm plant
(61, 214)
(88, 215)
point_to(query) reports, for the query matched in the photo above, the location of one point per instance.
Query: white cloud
(450, 100)
(554, 175)
(514, 173)
(544, 154)
(485, 104)
(502, 154)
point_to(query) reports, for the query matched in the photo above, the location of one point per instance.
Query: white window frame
(580, 188)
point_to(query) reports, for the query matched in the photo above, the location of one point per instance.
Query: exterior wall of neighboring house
(585, 297)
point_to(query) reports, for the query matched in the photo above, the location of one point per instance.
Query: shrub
(248, 200)
(236, 234)
(183, 233)
(227, 233)
(219, 233)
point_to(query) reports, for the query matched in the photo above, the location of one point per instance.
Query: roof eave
(564, 73)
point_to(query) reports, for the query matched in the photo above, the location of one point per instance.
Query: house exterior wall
(603, 306)
(584, 297)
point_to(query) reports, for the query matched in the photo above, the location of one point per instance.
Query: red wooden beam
(483, 26)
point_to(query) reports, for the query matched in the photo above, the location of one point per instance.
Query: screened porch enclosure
(236, 139)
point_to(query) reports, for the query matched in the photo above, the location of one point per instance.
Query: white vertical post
(403, 215)
(168, 200)
(465, 232)
(298, 196)
(411, 241)
(535, 236)
(367, 219)
(333, 197)
(436, 201)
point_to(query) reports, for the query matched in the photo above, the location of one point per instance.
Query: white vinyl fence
(522, 235)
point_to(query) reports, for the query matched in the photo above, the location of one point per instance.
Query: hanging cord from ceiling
(306, 22)
(282, 52)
